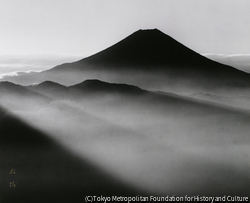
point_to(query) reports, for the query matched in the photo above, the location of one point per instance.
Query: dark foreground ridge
(45, 171)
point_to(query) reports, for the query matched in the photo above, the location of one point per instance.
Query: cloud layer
(11, 64)
(239, 61)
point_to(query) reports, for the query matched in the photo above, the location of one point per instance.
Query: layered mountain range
(145, 116)
(151, 60)
(125, 130)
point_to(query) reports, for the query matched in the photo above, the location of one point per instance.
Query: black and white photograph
(124, 101)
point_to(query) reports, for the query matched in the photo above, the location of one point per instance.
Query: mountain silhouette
(144, 49)
(154, 52)
(122, 93)
(9, 87)
(120, 120)
(88, 87)
(149, 59)
(97, 86)
(49, 85)
(17, 97)
(150, 49)
(49, 89)
(133, 126)
(169, 123)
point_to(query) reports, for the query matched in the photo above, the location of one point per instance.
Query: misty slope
(97, 86)
(95, 89)
(163, 143)
(234, 101)
(49, 89)
(149, 59)
(17, 97)
(45, 171)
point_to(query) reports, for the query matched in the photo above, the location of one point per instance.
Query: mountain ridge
(148, 47)
(101, 89)
(149, 59)
(154, 52)
(101, 86)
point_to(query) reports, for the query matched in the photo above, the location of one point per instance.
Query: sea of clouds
(14, 64)
(239, 61)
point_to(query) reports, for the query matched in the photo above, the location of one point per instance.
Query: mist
(163, 144)
(12, 64)
(239, 61)
(148, 113)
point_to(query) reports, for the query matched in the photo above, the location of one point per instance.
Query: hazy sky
(88, 26)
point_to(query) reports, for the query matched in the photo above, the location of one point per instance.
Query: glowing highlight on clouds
(239, 61)
(16, 73)
(12, 64)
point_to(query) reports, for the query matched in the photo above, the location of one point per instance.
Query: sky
(39, 34)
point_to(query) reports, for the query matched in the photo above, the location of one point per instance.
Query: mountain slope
(149, 59)
(95, 91)
(17, 97)
(49, 89)
(97, 86)
(162, 143)
(44, 170)
(153, 52)
(152, 49)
